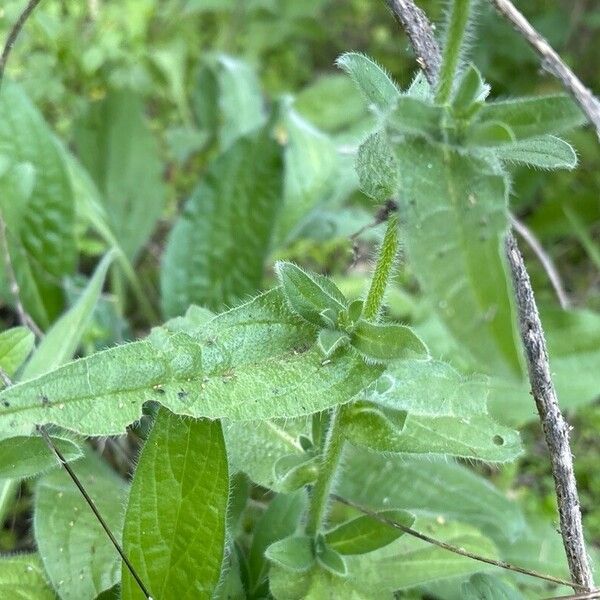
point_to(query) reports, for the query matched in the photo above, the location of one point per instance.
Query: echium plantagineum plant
(309, 393)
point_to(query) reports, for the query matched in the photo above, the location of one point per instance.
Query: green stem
(383, 270)
(458, 20)
(329, 462)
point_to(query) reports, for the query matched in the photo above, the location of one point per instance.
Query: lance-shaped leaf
(119, 150)
(255, 362)
(365, 533)
(294, 553)
(377, 168)
(15, 345)
(470, 93)
(545, 152)
(456, 219)
(216, 251)
(22, 577)
(174, 532)
(42, 246)
(413, 116)
(375, 84)
(490, 134)
(328, 558)
(487, 587)
(310, 294)
(78, 557)
(384, 342)
(332, 339)
(27, 456)
(532, 117)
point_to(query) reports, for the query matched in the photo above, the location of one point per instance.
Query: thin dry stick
(552, 62)
(450, 547)
(544, 258)
(556, 430)
(588, 596)
(14, 34)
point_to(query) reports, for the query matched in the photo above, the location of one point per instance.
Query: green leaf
(293, 472)
(413, 116)
(545, 152)
(174, 532)
(377, 168)
(78, 557)
(311, 163)
(15, 345)
(253, 362)
(279, 521)
(366, 534)
(375, 84)
(383, 342)
(116, 145)
(437, 487)
(532, 117)
(22, 577)
(490, 134)
(456, 219)
(378, 572)
(447, 414)
(309, 294)
(27, 456)
(470, 93)
(294, 553)
(62, 339)
(330, 340)
(216, 251)
(488, 587)
(42, 246)
(328, 558)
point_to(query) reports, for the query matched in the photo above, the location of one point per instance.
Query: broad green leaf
(294, 553)
(412, 116)
(442, 488)
(310, 171)
(456, 218)
(62, 339)
(15, 345)
(216, 251)
(42, 247)
(119, 150)
(375, 84)
(366, 534)
(384, 342)
(22, 577)
(532, 117)
(545, 152)
(332, 339)
(279, 521)
(174, 532)
(195, 316)
(409, 562)
(27, 456)
(254, 362)
(377, 168)
(447, 414)
(78, 557)
(373, 426)
(328, 558)
(309, 294)
(488, 587)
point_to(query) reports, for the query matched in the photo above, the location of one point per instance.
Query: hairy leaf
(470, 93)
(216, 251)
(365, 533)
(488, 587)
(377, 168)
(42, 242)
(329, 558)
(22, 577)
(413, 116)
(545, 152)
(119, 150)
(294, 553)
(174, 532)
(27, 456)
(78, 557)
(384, 342)
(293, 472)
(15, 345)
(532, 117)
(375, 84)
(255, 362)
(456, 219)
(332, 339)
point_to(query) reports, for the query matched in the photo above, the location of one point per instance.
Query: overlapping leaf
(22, 577)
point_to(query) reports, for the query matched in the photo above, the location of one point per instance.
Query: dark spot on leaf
(44, 399)
(181, 394)
(6, 403)
(498, 440)
(158, 389)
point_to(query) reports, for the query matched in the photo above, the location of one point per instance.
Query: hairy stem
(383, 270)
(458, 19)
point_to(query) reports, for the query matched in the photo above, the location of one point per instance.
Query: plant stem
(381, 276)
(330, 459)
(458, 20)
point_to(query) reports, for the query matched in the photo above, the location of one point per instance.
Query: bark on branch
(556, 430)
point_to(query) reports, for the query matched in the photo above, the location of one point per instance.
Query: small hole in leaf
(498, 440)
